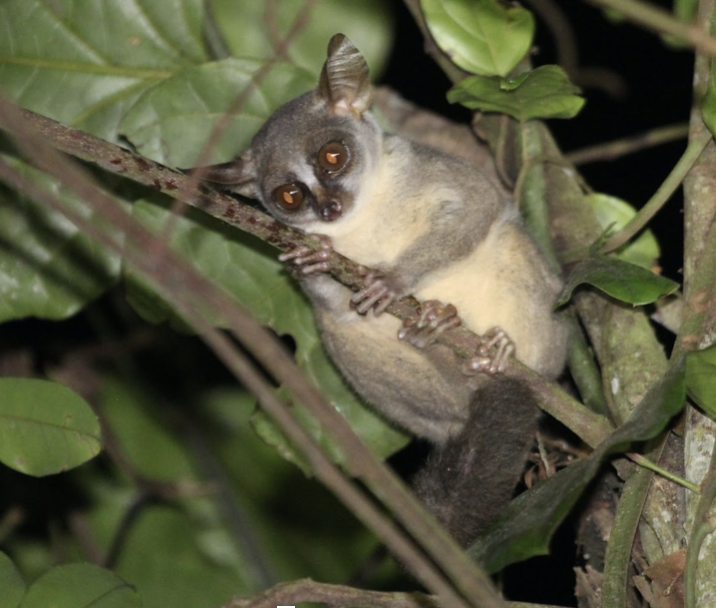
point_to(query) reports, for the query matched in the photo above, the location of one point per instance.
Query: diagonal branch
(591, 427)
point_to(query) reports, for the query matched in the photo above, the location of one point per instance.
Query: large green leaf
(485, 37)
(367, 23)
(248, 269)
(81, 586)
(45, 427)
(614, 213)
(84, 62)
(526, 527)
(172, 121)
(541, 93)
(12, 587)
(132, 66)
(48, 267)
(626, 282)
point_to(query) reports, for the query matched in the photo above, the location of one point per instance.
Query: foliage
(189, 502)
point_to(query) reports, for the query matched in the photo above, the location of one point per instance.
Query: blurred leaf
(249, 270)
(701, 379)
(541, 93)
(146, 440)
(177, 555)
(171, 122)
(282, 506)
(614, 212)
(367, 23)
(96, 56)
(12, 587)
(79, 586)
(531, 519)
(45, 427)
(625, 282)
(48, 267)
(685, 9)
(485, 37)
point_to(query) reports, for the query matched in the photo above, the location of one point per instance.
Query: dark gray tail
(468, 480)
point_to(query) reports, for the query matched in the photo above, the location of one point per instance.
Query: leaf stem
(661, 196)
(643, 461)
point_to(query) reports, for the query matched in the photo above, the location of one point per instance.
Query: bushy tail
(468, 480)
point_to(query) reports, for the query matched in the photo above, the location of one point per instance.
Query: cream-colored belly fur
(496, 285)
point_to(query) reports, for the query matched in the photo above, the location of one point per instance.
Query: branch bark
(591, 427)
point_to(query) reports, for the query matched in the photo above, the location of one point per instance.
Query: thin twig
(644, 462)
(628, 145)
(661, 196)
(662, 22)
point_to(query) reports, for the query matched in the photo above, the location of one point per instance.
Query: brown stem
(305, 590)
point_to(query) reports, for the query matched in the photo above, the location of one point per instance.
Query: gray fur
(435, 227)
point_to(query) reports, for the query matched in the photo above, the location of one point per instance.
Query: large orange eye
(333, 157)
(289, 196)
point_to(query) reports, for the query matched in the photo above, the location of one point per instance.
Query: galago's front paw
(434, 318)
(377, 294)
(303, 260)
(486, 361)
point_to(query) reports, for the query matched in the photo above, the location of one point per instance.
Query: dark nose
(330, 210)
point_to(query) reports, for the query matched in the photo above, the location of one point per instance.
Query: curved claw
(485, 361)
(434, 318)
(305, 260)
(377, 294)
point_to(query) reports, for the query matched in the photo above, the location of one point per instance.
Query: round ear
(345, 82)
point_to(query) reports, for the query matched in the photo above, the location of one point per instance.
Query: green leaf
(48, 267)
(614, 212)
(147, 441)
(701, 379)
(484, 37)
(45, 427)
(249, 270)
(81, 586)
(11, 584)
(541, 93)
(96, 56)
(530, 520)
(171, 122)
(625, 282)
(103, 57)
(685, 10)
(367, 23)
